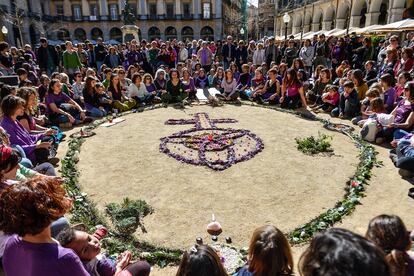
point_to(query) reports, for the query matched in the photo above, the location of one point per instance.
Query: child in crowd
(372, 93)
(42, 89)
(211, 77)
(88, 249)
(107, 80)
(244, 80)
(330, 99)
(387, 83)
(370, 74)
(104, 100)
(348, 102)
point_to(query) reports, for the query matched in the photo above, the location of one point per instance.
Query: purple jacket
(20, 136)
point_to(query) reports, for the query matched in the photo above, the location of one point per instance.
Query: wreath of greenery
(85, 211)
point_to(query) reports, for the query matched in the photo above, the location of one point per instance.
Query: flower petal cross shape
(208, 145)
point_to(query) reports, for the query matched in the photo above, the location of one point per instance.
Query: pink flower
(354, 183)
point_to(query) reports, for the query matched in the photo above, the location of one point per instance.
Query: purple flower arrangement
(208, 145)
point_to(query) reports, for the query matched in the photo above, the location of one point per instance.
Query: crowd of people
(35, 243)
(57, 87)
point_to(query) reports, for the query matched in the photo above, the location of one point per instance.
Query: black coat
(43, 54)
(225, 51)
(241, 55)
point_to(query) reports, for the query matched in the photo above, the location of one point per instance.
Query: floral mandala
(210, 146)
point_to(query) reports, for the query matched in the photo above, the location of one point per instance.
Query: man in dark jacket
(100, 54)
(241, 55)
(272, 52)
(228, 52)
(47, 57)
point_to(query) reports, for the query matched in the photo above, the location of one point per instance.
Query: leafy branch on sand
(314, 145)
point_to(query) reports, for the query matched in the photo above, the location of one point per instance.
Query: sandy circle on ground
(280, 185)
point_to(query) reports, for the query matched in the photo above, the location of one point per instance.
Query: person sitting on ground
(292, 91)
(218, 79)
(387, 83)
(340, 252)
(119, 100)
(370, 74)
(330, 99)
(201, 260)
(188, 83)
(244, 80)
(62, 110)
(175, 90)
(269, 254)
(201, 81)
(403, 78)
(257, 84)
(11, 171)
(31, 243)
(107, 73)
(371, 94)
(390, 234)
(88, 249)
(360, 85)
(91, 98)
(229, 86)
(28, 121)
(403, 157)
(315, 95)
(160, 82)
(270, 92)
(138, 91)
(36, 146)
(403, 117)
(348, 102)
(149, 84)
(77, 88)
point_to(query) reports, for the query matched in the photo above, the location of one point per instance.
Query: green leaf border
(85, 211)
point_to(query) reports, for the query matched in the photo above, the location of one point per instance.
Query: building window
(59, 10)
(187, 10)
(170, 10)
(77, 12)
(94, 12)
(113, 11)
(153, 11)
(206, 10)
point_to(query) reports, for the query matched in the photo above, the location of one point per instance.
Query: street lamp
(286, 19)
(242, 32)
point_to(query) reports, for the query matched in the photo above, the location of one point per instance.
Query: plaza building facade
(326, 15)
(89, 19)
(266, 17)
